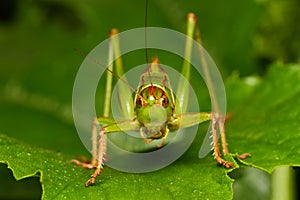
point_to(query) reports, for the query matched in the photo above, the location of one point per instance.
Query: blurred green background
(38, 63)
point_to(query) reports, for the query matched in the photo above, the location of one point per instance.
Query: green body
(154, 106)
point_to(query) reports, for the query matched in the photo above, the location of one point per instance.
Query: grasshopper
(154, 111)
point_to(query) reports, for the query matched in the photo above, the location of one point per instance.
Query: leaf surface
(264, 122)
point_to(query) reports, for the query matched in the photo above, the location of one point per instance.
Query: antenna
(146, 48)
(146, 21)
(108, 70)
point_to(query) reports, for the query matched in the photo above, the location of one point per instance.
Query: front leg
(191, 119)
(100, 158)
(221, 122)
(85, 163)
(97, 160)
(99, 154)
(217, 120)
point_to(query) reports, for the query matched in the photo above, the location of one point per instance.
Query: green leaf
(38, 72)
(264, 122)
(188, 177)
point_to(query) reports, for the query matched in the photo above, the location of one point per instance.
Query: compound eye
(164, 101)
(139, 102)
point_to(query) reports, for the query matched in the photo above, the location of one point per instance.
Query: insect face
(153, 110)
(152, 95)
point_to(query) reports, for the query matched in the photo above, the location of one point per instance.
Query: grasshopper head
(153, 109)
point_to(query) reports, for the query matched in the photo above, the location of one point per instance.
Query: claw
(228, 164)
(91, 181)
(86, 165)
(244, 155)
(225, 163)
(161, 144)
